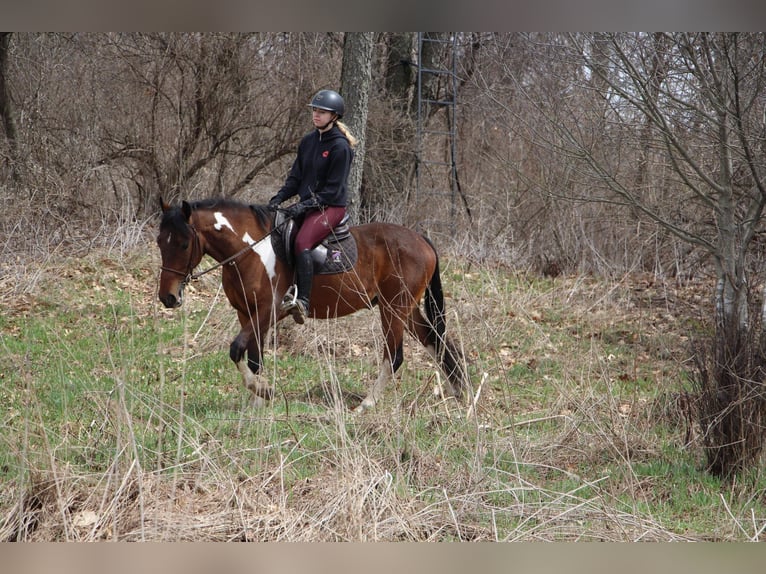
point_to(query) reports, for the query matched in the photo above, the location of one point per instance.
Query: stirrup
(288, 301)
(293, 305)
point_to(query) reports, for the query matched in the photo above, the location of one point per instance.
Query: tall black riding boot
(298, 304)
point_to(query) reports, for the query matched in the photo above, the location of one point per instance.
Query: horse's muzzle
(172, 301)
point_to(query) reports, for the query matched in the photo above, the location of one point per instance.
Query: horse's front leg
(245, 351)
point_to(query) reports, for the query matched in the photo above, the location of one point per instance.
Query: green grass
(124, 405)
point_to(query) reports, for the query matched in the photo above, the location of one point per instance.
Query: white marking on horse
(375, 392)
(222, 222)
(266, 252)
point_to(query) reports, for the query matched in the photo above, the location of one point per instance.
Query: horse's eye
(185, 245)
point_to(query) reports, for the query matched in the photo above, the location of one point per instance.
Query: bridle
(187, 275)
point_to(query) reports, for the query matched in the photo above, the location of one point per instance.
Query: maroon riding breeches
(316, 226)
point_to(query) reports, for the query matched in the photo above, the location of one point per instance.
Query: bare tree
(707, 113)
(689, 107)
(517, 180)
(6, 106)
(389, 136)
(400, 69)
(208, 113)
(356, 79)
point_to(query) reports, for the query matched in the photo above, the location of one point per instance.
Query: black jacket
(319, 172)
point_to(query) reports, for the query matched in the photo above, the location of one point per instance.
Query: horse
(395, 269)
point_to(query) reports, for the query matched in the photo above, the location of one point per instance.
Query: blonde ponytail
(352, 141)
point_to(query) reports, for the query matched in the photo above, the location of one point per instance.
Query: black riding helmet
(328, 100)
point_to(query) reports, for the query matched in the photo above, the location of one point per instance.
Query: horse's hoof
(365, 405)
(259, 402)
(264, 393)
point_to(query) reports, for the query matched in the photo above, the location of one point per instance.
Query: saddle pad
(330, 257)
(339, 255)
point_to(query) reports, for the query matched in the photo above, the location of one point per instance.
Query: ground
(127, 421)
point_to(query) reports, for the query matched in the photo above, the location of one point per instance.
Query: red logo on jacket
(326, 153)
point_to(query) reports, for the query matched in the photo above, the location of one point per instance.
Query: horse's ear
(163, 205)
(186, 209)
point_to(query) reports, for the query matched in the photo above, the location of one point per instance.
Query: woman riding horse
(319, 177)
(396, 269)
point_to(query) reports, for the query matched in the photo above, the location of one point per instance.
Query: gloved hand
(296, 210)
(273, 203)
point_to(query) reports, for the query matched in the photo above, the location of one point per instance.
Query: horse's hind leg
(449, 360)
(393, 356)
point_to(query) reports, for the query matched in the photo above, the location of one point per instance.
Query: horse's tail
(447, 354)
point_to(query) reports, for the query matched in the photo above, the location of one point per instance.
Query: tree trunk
(6, 108)
(401, 70)
(733, 284)
(356, 77)
(734, 406)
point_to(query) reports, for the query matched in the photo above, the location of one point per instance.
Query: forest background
(593, 152)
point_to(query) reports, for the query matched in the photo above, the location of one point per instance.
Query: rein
(189, 276)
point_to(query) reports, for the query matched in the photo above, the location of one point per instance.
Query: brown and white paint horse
(396, 269)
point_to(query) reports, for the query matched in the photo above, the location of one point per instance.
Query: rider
(318, 176)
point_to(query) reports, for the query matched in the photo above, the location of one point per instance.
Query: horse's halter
(187, 275)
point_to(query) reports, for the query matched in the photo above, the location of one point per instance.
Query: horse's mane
(213, 202)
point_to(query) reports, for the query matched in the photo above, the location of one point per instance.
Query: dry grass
(576, 394)
(356, 502)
